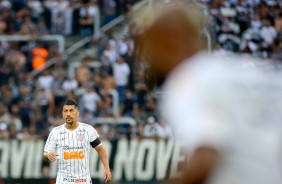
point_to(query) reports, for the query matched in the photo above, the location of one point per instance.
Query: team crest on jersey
(80, 137)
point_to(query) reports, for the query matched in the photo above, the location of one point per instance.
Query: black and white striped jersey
(73, 151)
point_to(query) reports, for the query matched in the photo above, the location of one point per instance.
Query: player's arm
(49, 153)
(97, 145)
(199, 166)
(103, 156)
(45, 156)
(49, 156)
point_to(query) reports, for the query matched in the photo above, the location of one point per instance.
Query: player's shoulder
(191, 67)
(86, 126)
(211, 67)
(58, 129)
(89, 129)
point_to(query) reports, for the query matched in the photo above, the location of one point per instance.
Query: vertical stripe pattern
(73, 150)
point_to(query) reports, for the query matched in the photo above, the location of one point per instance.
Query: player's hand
(107, 175)
(52, 156)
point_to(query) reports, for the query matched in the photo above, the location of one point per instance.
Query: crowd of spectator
(31, 105)
(251, 27)
(64, 17)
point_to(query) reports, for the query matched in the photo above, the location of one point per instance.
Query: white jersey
(232, 107)
(73, 150)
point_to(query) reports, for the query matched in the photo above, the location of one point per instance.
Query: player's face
(70, 113)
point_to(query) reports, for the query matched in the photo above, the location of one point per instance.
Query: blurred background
(53, 50)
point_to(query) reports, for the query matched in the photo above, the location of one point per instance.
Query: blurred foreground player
(227, 114)
(70, 143)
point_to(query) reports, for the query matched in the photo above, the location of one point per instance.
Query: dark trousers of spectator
(109, 18)
(25, 117)
(121, 93)
(86, 31)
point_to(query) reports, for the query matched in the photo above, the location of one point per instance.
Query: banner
(130, 160)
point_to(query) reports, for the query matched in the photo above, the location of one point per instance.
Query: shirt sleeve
(193, 110)
(93, 135)
(50, 145)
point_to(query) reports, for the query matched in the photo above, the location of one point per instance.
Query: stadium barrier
(53, 181)
(130, 160)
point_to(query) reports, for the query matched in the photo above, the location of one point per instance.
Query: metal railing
(121, 18)
(75, 46)
(97, 33)
(121, 120)
(58, 38)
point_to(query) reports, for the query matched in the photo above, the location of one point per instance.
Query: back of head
(146, 16)
(166, 33)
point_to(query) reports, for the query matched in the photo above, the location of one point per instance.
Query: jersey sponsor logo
(69, 148)
(75, 180)
(80, 137)
(73, 155)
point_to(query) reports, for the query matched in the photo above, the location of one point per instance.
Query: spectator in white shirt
(152, 129)
(110, 52)
(268, 33)
(121, 75)
(45, 81)
(70, 84)
(90, 100)
(165, 130)
(256, 23)
(5, 4)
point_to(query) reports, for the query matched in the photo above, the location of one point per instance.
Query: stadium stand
(30, 104)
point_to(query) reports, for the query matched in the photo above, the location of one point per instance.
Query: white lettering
(4, 160)
(147, 172)
(124, 160)
(53, 169)
(165, 150)
(140, 160)
(38, 159)
(29, 160)
(18, 155)
(176, 159)
(34, 159)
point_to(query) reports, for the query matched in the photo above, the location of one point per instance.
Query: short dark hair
(71, 102)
